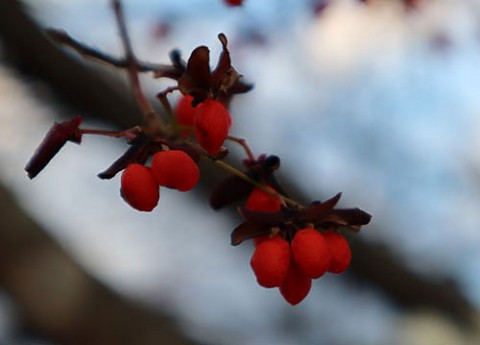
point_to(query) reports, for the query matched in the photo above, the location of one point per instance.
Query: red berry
(270, 262)
(310, 252)
(184, 113)
(340, 253)
(260, 239)
(138, 187)
(233, 2)
(212, 122)
(262, 201)
(175, 169)
(296, 285)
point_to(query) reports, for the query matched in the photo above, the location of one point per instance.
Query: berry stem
(130, 133)
(234, 171)
(152, 119)
(242, 142)
(162, 97)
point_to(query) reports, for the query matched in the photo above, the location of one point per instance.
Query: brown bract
(290, 219)
(196, 79)
(57, 136)
(141, 148)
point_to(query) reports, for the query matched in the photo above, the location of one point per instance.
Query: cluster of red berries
(210, 121)
(294, 244)
(140, 185)
(291, 264)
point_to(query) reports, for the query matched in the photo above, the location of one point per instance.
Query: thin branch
(242, 142)
(162, 97)
(152, 119)
(130, 133)
(64, 38)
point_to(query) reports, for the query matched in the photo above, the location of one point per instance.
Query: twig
(130, 133)
(162, 97)
(152, 119)
(242, 142)
(62, 37)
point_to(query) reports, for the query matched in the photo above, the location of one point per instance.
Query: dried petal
(246, 231)
(353, 218)
(264, 218)
(137, 153)
(316, 212)
(54, 140)
(196, 79)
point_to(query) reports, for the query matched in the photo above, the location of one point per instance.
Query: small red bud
(212, 122)
(175, 169)
(138, 187)
(270, 262)
(310, 252)
(296, 285)
(260, 200)
(340, 253)
(184, 113)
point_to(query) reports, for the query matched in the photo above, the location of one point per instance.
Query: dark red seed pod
(54, 140)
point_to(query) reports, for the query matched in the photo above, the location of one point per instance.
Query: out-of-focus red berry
(296, 285)
(175, 169)
(138, 187)
(270, 262)
(310, 252)
(233, 3)
(184, 113)
(212, 122)
(260, 239)
(260, 200)
(340, 253)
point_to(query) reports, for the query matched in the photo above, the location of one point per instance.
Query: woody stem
(152, 120)
(130, 133)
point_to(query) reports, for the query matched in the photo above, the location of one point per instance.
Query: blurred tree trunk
(58, 300)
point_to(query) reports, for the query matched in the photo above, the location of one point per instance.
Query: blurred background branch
(58, 300)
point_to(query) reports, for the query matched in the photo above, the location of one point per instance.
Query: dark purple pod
(138, 152)
(54, 140)
(248, 230)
